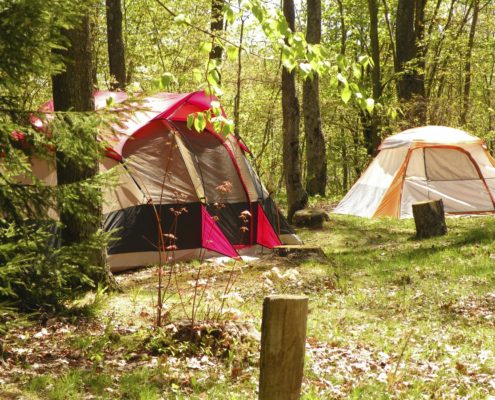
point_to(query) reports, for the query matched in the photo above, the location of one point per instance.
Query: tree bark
(371, 121)
(72, 88)
(429, 217)
(116, 52)
(237, 98)
(467, 67)
(410, 51)
(216, 26)
(316, 157)
(72, 91)
(297, 197)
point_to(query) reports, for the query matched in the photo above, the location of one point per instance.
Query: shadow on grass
(386, 242)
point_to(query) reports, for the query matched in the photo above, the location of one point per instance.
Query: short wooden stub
(429, 217)
(283, 341)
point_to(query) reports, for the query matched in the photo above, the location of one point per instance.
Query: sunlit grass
(393, 317)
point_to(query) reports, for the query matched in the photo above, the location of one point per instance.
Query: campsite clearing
(389, 317)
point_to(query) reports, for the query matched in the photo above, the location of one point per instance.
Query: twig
(211, 34)
(408, 337)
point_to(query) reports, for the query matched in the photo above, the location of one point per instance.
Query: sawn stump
(429, 217)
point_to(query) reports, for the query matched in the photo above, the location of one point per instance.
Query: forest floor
(390, 317)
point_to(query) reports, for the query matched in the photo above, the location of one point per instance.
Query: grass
(390, 317)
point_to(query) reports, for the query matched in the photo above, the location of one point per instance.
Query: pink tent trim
(212, 237)
(266, 235)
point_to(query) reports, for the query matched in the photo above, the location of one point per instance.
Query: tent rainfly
(198, 190)
(427, 163)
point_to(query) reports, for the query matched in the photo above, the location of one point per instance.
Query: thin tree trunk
(345, 163)
(467, 67)
(435, 60)
(297, 197)
(343, 28)
(390, 33)
(316, 157)
(116, 52)
(216, 26)
(237, 99)
(372, 133)
(446, 62)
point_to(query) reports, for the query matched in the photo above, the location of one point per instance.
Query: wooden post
(283, 342)
(429, 217)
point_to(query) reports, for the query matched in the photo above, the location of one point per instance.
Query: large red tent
(198, 190)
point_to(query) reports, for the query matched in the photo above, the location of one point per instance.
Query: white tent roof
(429, 134)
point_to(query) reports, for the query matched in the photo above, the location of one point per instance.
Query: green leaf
(365, 61)
(182, 19)
(356, 71)
(392, 113)
(355, 88)
(305, 69)
(341, 62)
(346, 94)
(213, 77)
(229, 14)
(205, 47)
(283, 27)
(257, 12)
(228, 127)
(197, 75)
(370, 105)
(190, 121)
(200, 122)
(342, 78)
(217, 91)
(232, 53)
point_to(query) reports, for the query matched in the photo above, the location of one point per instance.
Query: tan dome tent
(427, 163)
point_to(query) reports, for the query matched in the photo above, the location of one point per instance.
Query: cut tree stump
(310, 218)
(283, 344)
(429, 217)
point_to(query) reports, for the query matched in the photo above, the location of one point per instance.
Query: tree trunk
(467, 67)
(371, 122)
(116, 53)
(316, 157)
(297, 197)
(376, 74)
(216, 26)
(237, 98)
(72, 91)
(410, 59)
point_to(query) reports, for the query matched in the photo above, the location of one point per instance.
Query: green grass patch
(390, 317)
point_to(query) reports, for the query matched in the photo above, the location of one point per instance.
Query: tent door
(448, 173)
